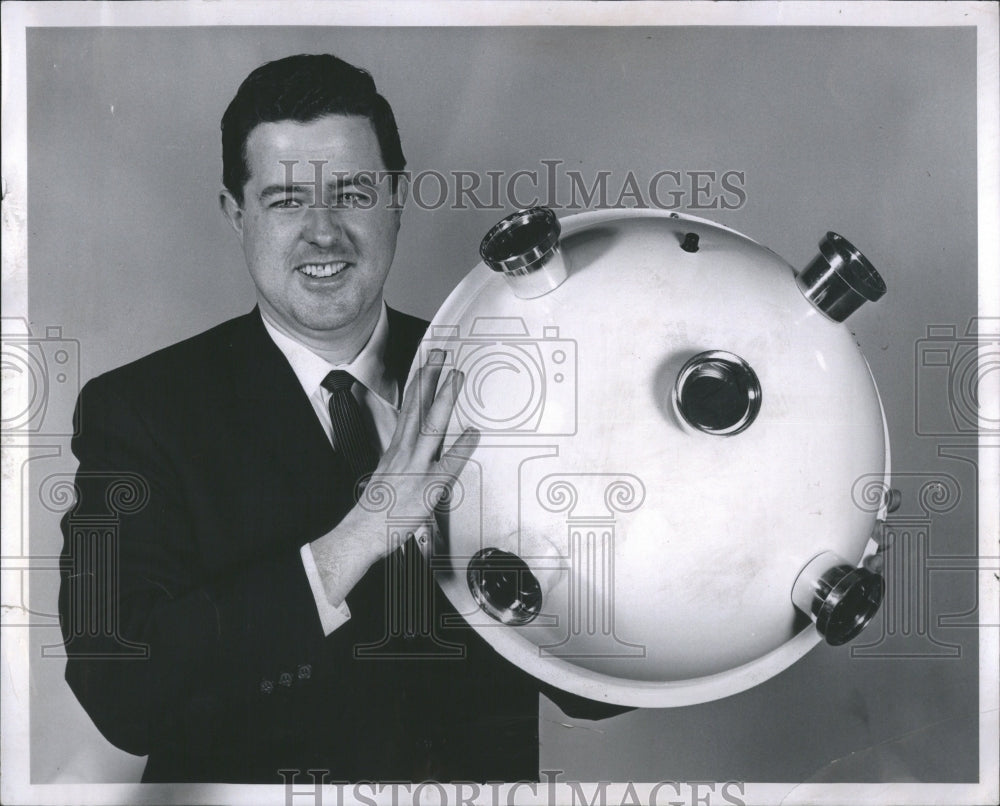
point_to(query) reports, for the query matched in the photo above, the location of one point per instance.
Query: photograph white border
(18, 17)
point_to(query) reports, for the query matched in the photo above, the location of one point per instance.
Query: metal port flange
(840, 598)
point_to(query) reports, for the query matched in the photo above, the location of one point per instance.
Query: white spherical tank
(660, 511)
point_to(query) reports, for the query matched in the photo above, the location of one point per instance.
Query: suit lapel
(405, 333)
(277, 414)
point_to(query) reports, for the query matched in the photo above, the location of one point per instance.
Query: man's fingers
(418, 397)
(458, 454)
(434, 424)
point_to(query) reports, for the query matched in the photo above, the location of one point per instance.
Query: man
(248, 630)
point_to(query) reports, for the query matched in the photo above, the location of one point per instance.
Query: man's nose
(322, 226)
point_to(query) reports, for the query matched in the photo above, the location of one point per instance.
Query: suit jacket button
(266, 687)
(285, 679)
(305, 671)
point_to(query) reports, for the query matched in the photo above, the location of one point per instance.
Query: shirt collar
(368, 366)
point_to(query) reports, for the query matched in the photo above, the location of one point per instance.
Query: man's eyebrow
(272, 190)
(337, 181)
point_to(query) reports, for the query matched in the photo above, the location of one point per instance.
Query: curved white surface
(667, 556)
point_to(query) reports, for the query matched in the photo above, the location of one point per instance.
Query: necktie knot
(338, 380)
(351, 437)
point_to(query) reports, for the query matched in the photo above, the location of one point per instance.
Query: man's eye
(352, 198)
(286, 204)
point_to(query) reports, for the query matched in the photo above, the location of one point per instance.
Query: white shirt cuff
(330, 617)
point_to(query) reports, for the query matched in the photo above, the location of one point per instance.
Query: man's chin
(317, 328)
(330, 323)
(321, 322)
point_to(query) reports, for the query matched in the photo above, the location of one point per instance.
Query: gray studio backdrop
(870, 132)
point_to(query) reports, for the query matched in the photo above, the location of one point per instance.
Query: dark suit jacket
(203, 470)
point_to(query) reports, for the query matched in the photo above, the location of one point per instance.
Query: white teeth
(322, 269)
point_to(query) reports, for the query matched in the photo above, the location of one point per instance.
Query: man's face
(318, 256)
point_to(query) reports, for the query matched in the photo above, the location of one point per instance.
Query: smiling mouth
(322, 269)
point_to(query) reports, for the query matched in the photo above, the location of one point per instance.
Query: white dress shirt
(377, 393)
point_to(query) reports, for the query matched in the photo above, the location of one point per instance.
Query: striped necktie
(351, 439)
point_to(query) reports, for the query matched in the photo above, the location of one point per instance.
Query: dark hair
(303, 88)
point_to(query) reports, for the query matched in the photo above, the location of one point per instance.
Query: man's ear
(232, 210)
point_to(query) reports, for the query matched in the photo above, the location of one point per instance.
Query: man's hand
(409, 469)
